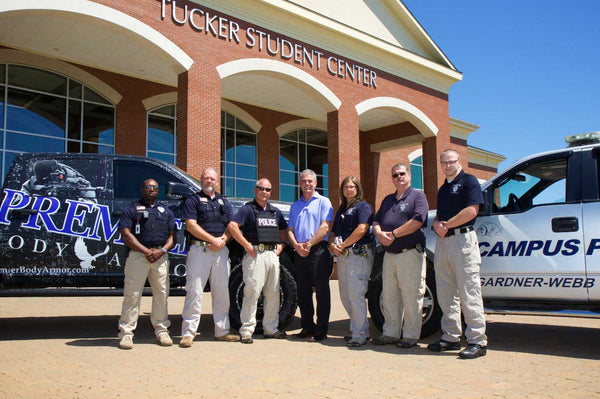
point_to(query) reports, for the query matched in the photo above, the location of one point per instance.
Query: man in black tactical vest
(206, 216)
(148, 228)
(263, 229)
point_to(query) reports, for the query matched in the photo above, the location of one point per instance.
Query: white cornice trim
(320, 31)
(63, 68)
(403, 142)
(461, 129)
(240, 113)
(300, 124)
(265, 65)
(160, 100)
(108, 14)
(484, 158)
(412, 113)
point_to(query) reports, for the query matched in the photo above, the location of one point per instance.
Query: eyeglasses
(452, 162)
(261, 188)
(151, 187)
(395, 175)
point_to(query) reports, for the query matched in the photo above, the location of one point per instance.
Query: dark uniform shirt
(246, 217)
(151, 225)
(212, 215)
(347, 220)
(455, 196)
(394, 213)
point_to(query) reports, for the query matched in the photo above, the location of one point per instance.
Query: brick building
(256, 88)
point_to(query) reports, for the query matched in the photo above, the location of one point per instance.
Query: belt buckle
(261, 248)
(345, 252)
(419, 248)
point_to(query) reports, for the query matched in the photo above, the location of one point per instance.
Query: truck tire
(288, 301)
(432, 313)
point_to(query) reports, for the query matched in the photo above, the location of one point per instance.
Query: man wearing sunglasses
(260, 228)
(400, 227)
(148, 228)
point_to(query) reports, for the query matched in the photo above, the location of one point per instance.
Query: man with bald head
(260, 229)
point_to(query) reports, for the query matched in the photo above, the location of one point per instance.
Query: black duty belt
(418, 247)
(459, 230)
(265, 247)
(154, 246)
(359, 250)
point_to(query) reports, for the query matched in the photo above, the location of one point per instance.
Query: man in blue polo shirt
(457, 260)
(399, 226)
(310, 221)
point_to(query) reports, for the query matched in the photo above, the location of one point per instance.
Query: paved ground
(66, 348)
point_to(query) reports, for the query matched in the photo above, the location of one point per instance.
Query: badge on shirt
(140, 207)
(402, 207)
(203, 199)
(220, 201)
(455, 188)
(161, 209)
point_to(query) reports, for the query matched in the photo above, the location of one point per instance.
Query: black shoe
(473, 351)
(303, 334)
(443, 346)
(318, 337)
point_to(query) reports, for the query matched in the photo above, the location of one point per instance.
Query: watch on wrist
(308, 245)
(164, 250)
(393, 235)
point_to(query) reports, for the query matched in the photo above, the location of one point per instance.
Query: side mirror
(178, 190)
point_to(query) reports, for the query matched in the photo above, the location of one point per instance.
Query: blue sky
(531, 69)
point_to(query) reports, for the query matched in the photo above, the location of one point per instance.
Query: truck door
(591, 221)
(127, 179)
(532, 242)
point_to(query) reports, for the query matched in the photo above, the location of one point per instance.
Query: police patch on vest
(266, 222)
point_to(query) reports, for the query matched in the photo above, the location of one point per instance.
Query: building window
(416, 171)
(45, 111)
(161, 142)
(299, 150)
(238, 157)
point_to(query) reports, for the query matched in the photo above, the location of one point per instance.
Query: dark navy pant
(314, 271)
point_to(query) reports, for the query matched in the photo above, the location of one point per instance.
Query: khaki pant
(403, 290)
(458, 285)
(354, 272)
(203, 264)
(137, 269)
(261, 274)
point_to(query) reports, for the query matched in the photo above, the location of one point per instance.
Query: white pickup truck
(539, 236)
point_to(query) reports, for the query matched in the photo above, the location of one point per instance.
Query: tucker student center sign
(219, 27)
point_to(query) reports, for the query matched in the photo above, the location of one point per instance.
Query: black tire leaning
(432, 313)
(288, 301)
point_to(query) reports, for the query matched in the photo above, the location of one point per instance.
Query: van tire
(288, 301)
(432, 313)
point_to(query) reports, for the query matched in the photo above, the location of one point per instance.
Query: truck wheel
(288, 300)
(432, 313)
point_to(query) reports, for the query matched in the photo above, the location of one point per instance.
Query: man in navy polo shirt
(399, 226)
(457, 260)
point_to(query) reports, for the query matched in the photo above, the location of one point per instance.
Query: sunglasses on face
(395, 175)
(261, 188)
(151, 187)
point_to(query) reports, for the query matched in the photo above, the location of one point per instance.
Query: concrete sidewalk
(67, 348)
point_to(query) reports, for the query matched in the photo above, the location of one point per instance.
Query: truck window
(129, 175)
(536, 184)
